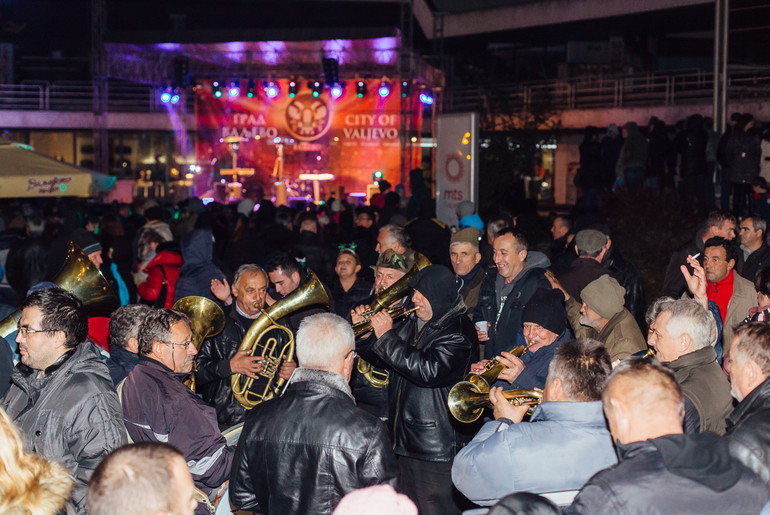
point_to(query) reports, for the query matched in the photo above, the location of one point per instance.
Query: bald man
(662, 470)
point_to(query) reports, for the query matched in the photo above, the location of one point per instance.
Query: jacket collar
(330, 379)
(28, 372)
(154, 363)
(457, 308)
(575, 412)
(696, 358)
(758, 398)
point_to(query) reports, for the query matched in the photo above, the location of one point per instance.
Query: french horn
(81, 278)
(309, 293)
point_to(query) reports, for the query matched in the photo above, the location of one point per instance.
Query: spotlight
(406, 88)
(377, 176)
(165, 96)
(384, 89)
(426, 96)
(271, 89)
(293, 88)
(235, 89)
(337, 89)
(361, 88)
(251, 89)
(175, 96)
(216, 88)
(316, 86)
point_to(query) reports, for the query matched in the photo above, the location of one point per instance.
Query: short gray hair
(689, 317)
(322, 341)
(157, 328)
(125, 323)
(758, 223)
(660, 304)
(248, 269)
(398, 234)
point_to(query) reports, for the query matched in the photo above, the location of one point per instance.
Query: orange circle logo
(307, 118)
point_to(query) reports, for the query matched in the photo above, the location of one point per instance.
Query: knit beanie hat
(545, 309)
(437, 284)
(86, 241)
(605, 296)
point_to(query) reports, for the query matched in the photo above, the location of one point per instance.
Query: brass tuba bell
(206, 319)
(382, 301)
(81, 278)
(310, 292)
(467, 403)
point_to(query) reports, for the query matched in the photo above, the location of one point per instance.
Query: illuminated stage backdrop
(348, 136)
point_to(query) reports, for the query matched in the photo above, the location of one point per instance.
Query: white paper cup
(483, 326)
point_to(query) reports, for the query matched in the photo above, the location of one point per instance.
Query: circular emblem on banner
(454, 168)
(307, 118)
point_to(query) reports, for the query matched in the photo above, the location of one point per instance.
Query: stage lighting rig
(316, 86)
(176, 95)
(234, 89)
(216, 89)
(337, 89)
(271, 88)
(384, 89)
(426, 96)
(165, 95)
(406, 88)
(293, 87)
(361, 88)
(251, 89)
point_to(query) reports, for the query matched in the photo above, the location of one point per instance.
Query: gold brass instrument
(206, 319)
(492, 369)
(467, 403)
(81, 278)
(382, 301)
(645, 354)
(310, 292)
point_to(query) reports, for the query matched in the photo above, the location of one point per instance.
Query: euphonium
(206, 320)
(493, 368)
(467, 403)
(382, 301)
(309, 293)
(81, 278)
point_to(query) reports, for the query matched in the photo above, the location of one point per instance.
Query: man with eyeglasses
(61, 397)
(158, 407)
(302, 452)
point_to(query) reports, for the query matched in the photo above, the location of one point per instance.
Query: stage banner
(457, 175)
(282, 137)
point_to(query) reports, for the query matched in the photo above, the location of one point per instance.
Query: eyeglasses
(26, 331)
(184, 345)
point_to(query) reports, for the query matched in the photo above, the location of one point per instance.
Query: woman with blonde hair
(28, 484)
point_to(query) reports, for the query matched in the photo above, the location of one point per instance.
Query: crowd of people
(690, 159)
(629, 405)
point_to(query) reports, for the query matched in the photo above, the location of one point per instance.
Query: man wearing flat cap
(591, 247)
(601, 316)
(430, 353)
(466, 263)
(391, 266)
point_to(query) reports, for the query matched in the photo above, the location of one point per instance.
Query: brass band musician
(391, 266)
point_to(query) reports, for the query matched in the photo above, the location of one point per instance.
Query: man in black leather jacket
(302, 452)
(748, 426)
(219, 357)
(426, 356)
(662, 470)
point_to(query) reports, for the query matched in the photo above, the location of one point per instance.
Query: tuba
(81, 278)
(467, 403)
(382, 301)
(206, 319)
(310, 292)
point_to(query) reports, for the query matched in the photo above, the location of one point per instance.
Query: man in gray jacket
(567, 433)
(62, 398)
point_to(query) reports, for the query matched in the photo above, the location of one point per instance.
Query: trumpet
(365, 325)
(492, 369)
(645, 354)
(466, 403)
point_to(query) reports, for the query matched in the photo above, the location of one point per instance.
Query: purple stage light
(384, 89)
